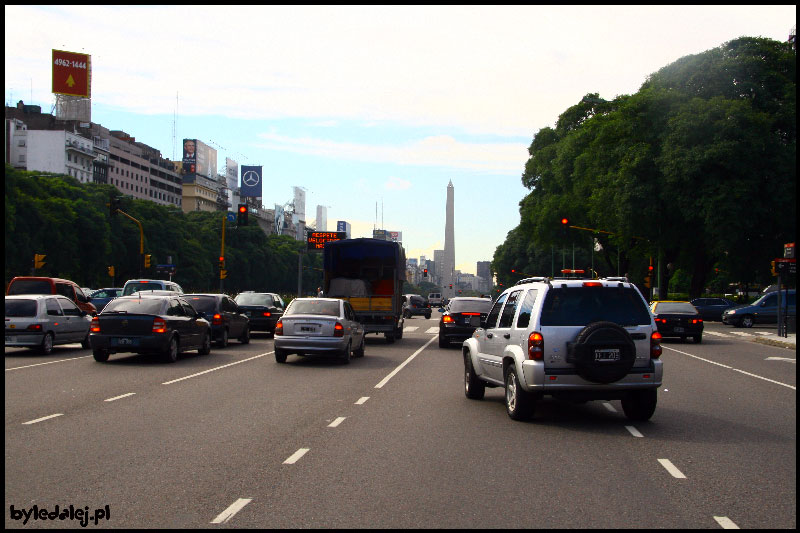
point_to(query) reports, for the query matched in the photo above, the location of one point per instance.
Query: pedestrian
(319, 292)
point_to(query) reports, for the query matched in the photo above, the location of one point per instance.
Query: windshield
(675, 307)
(20, 308)
(579, 306)
(132, 288)
(142, 306)
(313, 307)
(255, 299)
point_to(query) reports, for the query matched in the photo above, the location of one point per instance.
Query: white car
(41, 321)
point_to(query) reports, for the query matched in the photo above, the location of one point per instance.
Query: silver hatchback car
(325, 326)
(41, 321)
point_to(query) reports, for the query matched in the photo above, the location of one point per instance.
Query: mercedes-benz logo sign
(251, 178)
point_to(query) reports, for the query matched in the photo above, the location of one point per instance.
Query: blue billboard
(251, 182)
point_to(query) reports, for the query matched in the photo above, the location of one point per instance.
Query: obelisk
(448, 273)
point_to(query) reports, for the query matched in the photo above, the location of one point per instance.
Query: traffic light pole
(141, 240)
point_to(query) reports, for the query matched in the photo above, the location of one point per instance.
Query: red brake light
(279, 328)
(35, 327)
(535, 346)
(447, 319)
(217, 319)
(338, 330)
(159, 325)
(592, 284)
(655, 345)
(267, 313)
(95, 327)
(471, 314)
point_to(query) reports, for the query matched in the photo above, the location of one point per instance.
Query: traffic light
(242, 215)
(38, 260)
(564, 226)
(772, 268)
(113, 205)
(147, 260)
(111, 271)
(425, 273)
(648, 281)
(451, 285)
(223, 274)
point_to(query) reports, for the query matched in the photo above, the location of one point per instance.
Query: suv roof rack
(542, 279)
(616, 278)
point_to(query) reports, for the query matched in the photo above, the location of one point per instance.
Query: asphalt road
(234, 439)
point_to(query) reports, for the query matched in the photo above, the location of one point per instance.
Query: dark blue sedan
(712, 308)
(101, 297)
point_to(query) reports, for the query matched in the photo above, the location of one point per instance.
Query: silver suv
(574, 339)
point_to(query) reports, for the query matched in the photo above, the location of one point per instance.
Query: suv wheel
(586, 353)
(474, 388)
(519, 404)
(640, 405)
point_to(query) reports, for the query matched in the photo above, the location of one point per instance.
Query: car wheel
(280, 356)
(85, 342)
(474, 388)
(46, 348)
(360, 351)
(389, 337)
(747, 321)
(171, 355)
(101, 356)
(344, 356)
(443, 342)
(245, 338)
(698, 338)
(640, 405)
(519, 403)
(428, 316)
(223, 339)
(205, 348)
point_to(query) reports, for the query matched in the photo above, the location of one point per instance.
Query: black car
(164, 324)
(460, 318)
(264, 309)
(678, 319)
(414, 304)
(227, 320)
(712, 308)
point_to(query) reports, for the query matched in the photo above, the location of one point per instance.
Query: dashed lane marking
(296, 456)
(234, 508)
(671, 468)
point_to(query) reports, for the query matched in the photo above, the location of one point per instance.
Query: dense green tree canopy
(697, 169)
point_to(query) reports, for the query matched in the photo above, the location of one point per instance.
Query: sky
(372, 110)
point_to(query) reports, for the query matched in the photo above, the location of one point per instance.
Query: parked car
(678, 319)
(762, 311)
(435, 299)
(42, 285)
(101, 297)
(226, 319)
(164, 324)
(413, 305)
(39, 322)
(135, 285)
(319, 326)
(575, 339)
(460, 318)
(264, 309)
(712, 308)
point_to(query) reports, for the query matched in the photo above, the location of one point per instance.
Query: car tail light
(592, 284)
(471, 314)
(95, 327)
(535, 346)
(279, 328)
(34, 327)
(217, 319)
(447, 319)
(655, 345)
(159, 325)
(697, 321)
(338, 330)
(267, 313)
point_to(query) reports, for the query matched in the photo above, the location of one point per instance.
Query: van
(41, 285)
(135, 285)
(435, 299)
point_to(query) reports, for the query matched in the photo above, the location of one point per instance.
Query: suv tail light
(279, 328)
(338, 330)
(159, 325)
(655, 345)
(217, 319)
(535, 346)
(95, 327)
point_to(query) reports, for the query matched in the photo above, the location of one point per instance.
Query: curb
(779, 344)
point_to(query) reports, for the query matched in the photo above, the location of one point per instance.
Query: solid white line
(609, 407)
(228, 513)
(717, 333)
(42, 419)
(296, 456)
(49, 363)
(119, 397)
(666, 463)
(434, 329)
(633, 431)
(404, 363)
(725, 522)
(361, 400)
(411, 328)
(734, 369)
(336, 422)
(214, 369)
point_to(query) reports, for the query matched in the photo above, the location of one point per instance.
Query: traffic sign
(786, 266)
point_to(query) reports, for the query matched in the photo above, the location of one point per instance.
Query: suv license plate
(607, 354)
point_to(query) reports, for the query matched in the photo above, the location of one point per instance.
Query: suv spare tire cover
(597, 336)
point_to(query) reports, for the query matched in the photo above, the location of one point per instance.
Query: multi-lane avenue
(234, 439)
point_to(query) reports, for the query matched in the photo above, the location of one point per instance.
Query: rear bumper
(537, 380)
(18, 339)
(138, 344)
(294, 344)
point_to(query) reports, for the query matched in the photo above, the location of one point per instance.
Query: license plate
(607, 354)
(308, 329)
(678, 329)
(124, 341)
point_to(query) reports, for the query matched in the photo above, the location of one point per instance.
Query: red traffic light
(242, 208)
(650, 268)
(565, 221)
(221, 259)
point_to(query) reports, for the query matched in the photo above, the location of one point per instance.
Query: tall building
(449, 266)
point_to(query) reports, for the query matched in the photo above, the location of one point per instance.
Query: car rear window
(132, 288)
(675, 307)
(470, 306)
(20, 308)
(30, 286)
(417, 300)
(313, 307)
(254, 299)
(203, 304)
(144, 306)
(579, 306)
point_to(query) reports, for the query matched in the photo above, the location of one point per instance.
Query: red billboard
(72, 73)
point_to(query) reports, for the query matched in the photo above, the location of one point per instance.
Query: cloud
(397, 184)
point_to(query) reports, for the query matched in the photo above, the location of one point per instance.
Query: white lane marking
(725, 522)
(717, 333)
(411, 328)
(336, 422)
(234, 508)
(42, 419)
(361, 400)
(214, 369)
(763, 333)
(434, 329)
(296, 456)
(741, 333)
(731, 368)
(49, 363)
(633, 431)
(787, 359)
(671, 468)
(609, 407)
(404, 363)
(119, 397)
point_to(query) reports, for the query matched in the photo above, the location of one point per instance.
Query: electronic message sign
(317, 239)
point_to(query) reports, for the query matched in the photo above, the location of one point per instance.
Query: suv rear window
(30, 286)
(579, 306)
